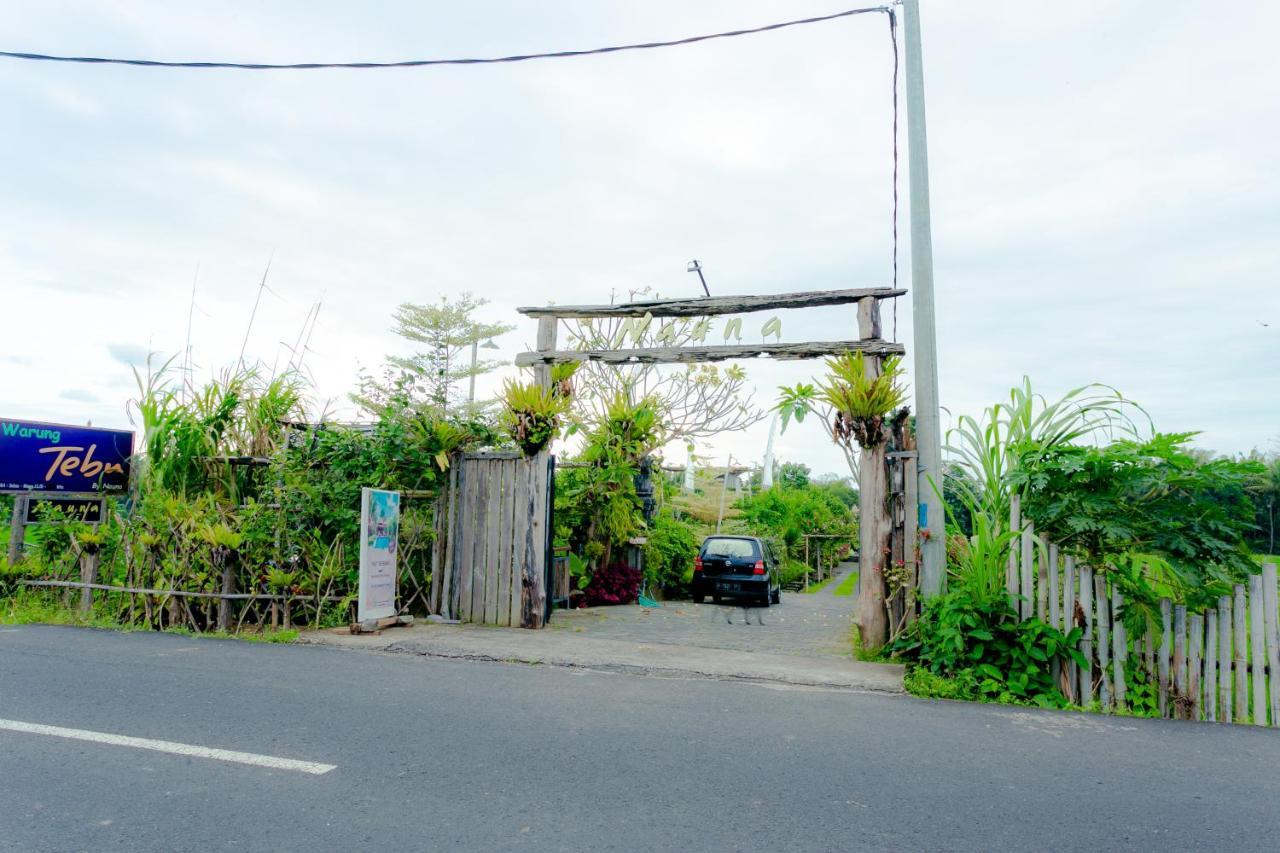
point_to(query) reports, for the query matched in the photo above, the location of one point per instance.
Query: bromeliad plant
(852, 401)
(531, 414)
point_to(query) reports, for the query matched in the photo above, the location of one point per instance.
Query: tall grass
(987, 448)
(186, 439)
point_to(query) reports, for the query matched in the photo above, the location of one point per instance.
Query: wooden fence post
(1042, 578)
(1224, 656)
(1179, 660)
(1257, 651)
(1028, 602)
(1195, 642)
(1055, 599)
(17, 528)
(1271, 605)
(1120, 655)
(1166, 649)
(1102, 601)
(1241, 650)
(1069, 618)
(1210, 702)
(1011, 570)
(1055, 605)
(1086, 644)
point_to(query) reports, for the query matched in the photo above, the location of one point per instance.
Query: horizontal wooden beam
(691, 355)
(706, 306)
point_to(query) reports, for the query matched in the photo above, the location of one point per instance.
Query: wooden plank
(1257, 651)
(1055, 598)
(1027, 601)
(719, 352)
(1241, 651)
(506, 482)
(1271, 624)
(1119, 649)
(1042, 578)
(1224, 656)
(1102, 602)
(1179, 660)
(532, 582)
(1166, 653)
(480, 526)
(466, 538)
(1209, 700)
(1086, 644)
(1011, 569)
(493, 542)
(519, 533)
(1195, 643)
(541, 504)
(712, 306)
(1148, 653)
(1069, 618)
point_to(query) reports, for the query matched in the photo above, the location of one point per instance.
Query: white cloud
(1104, 206)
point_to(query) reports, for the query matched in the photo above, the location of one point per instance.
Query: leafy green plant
(1160, 519)
(987, 449)
(669, 553)
(531, 414)
(980, 639)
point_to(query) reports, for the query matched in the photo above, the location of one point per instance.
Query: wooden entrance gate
(491, 560)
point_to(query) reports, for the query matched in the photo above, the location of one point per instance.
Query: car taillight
(759, 570)
(697, 564)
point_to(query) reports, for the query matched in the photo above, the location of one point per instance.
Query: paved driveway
(805, 625)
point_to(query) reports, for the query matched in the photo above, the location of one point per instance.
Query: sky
(1104, 200)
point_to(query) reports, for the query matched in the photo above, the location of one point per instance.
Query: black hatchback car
(738, 567)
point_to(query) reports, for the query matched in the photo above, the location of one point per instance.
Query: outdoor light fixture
(489, 344)
(694, 266)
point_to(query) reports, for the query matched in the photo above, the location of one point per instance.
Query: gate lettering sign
(40, 457)
(86, 510)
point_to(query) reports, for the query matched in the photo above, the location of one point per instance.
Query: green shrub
(669, 553)
(979, 638)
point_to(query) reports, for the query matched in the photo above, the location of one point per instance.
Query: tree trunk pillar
(874, 523)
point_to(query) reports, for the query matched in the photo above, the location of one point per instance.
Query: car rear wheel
(777, 595)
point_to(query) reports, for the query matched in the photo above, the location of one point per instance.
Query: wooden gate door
(491, 559)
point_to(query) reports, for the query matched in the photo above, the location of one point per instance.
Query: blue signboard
(40, 457)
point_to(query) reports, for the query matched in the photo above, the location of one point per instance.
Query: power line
(418, 63)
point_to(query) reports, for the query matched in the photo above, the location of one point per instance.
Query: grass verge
(847, 586)
(35, 608)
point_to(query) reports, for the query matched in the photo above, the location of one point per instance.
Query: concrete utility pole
(928, 428)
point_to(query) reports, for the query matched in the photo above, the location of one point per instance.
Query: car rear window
(730, 548)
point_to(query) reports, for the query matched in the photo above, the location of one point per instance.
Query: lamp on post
(694, 266)
(475, 355)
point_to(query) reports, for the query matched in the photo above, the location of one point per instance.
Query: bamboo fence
(1218, 665)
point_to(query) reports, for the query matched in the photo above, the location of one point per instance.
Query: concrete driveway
(802, 642)
(804, 625)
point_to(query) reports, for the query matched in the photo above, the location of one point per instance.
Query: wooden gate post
(874, 524)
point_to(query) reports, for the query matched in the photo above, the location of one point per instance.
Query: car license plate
(731, 587)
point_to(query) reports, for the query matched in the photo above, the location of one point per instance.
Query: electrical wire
(419, 63)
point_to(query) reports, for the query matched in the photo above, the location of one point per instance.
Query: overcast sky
(1105, 196)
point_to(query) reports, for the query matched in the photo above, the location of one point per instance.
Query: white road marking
(251, 758)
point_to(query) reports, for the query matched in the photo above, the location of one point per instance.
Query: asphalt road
(480, 756)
